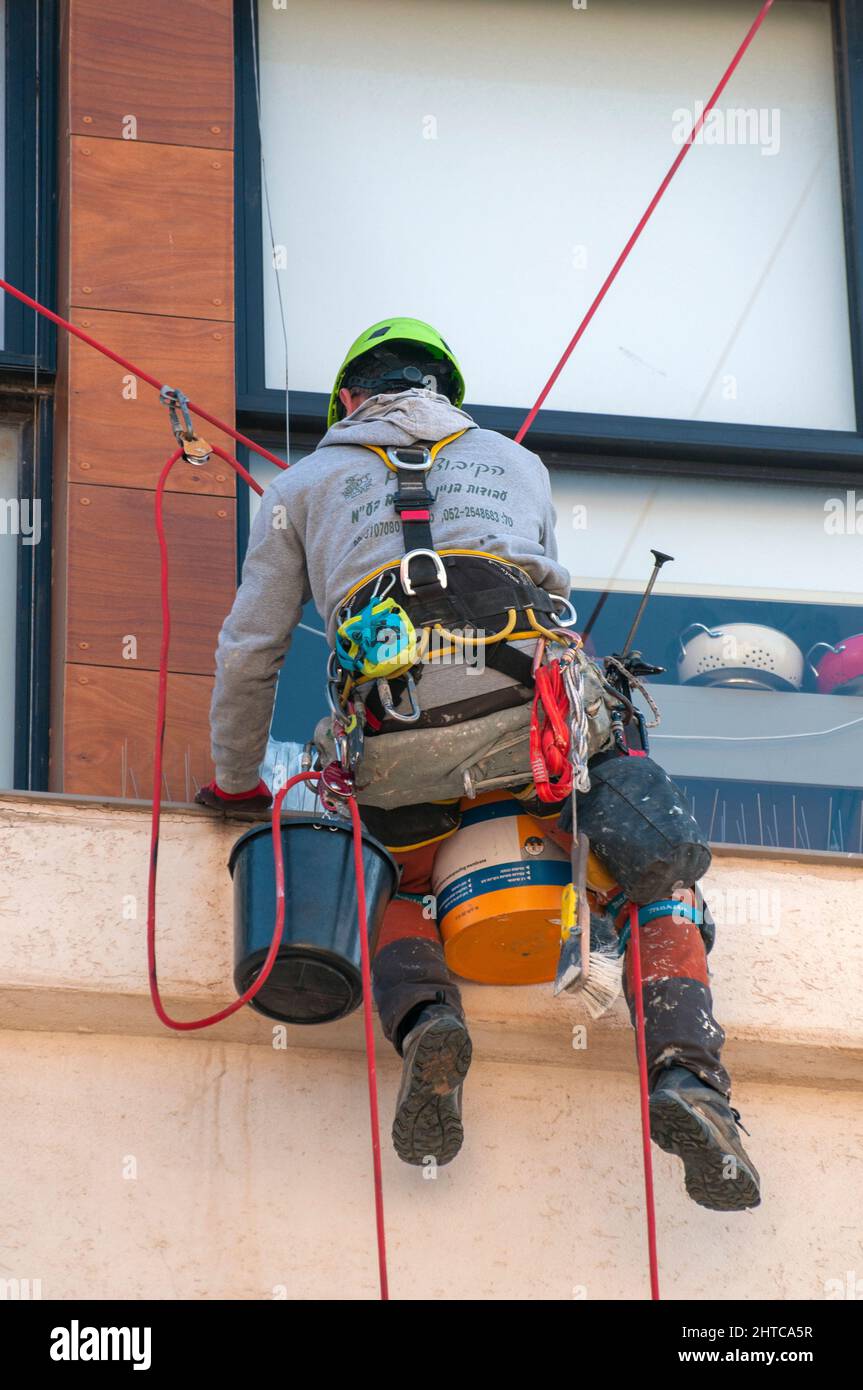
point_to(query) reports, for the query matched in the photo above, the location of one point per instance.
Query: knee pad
(640, 827)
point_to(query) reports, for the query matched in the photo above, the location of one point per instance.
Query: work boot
(437, 1053)
(691, 1120)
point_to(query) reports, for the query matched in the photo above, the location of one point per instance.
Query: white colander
(745, 655)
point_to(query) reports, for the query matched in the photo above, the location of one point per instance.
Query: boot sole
(681, 1130)
(427, 1123)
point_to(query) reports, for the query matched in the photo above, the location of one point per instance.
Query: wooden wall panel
(146, 263)
(113, 577)
(110, 724)
(123, 442)
(151, 228)
(182, 94)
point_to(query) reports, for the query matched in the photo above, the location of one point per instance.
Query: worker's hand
(258, 799)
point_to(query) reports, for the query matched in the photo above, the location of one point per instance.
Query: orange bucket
(498, 883)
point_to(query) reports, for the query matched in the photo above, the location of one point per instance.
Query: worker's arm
(253, 643)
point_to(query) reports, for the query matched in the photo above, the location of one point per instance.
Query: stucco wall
(142, 1164)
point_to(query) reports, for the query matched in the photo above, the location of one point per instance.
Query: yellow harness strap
(433, 451)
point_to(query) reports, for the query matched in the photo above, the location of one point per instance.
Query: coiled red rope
(550, 735)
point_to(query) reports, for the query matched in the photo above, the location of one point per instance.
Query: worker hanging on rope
(428, 546)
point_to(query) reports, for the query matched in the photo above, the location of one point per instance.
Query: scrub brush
(589, 964)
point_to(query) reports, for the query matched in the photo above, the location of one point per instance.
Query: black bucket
(640, 827)
(316, 976)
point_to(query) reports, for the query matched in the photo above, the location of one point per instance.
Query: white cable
(755, 738)
(266, 188)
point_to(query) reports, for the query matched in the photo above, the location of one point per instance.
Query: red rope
(550, 735)
(357, 828)
(145, 376)
(641, 1051)
(643, 221)
(371, 1062)
(238, 468)
(188, 1025)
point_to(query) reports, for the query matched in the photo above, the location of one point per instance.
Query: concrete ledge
(786, 967)
(542, 1035)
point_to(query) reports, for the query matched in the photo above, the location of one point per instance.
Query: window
(27, 197)
(524, 146)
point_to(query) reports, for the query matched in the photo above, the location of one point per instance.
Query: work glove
(212, 796)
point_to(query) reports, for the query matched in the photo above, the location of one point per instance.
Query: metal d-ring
(405, 569)
(397, 463)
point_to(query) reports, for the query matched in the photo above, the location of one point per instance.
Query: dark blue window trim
(28, 358)
(632, 443)
(33, 633)
(31, 126)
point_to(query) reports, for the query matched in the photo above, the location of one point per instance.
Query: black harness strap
(413, 502)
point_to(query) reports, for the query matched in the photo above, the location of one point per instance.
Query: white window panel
(552, 128)
(735, 539)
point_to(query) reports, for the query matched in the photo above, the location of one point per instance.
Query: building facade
(227, 202)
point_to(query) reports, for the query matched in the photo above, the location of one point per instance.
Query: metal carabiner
(570, 622)
(378, 594)
(405, 570)
(195, 449)
(386, 697)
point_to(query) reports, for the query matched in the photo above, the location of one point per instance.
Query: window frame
(31, 209)
(33, 626)
(29, 355)
(631, 443)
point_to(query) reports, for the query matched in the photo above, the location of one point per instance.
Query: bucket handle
(827, 647)
(698, 627)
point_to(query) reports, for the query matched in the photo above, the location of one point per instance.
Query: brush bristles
(603, 984)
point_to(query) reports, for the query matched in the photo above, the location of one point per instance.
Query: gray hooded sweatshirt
(328, 521)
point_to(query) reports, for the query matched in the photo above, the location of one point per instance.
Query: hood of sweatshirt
(402, 419)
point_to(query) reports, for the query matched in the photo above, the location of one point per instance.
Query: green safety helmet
(387, 334)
